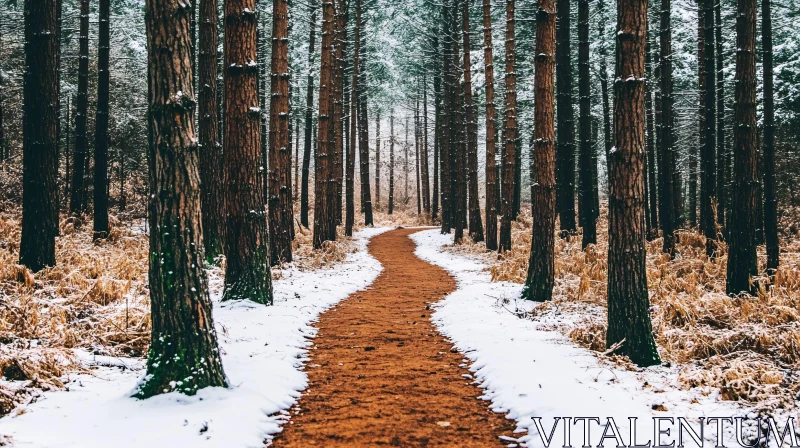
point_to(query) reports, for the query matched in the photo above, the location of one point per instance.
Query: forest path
(380, 374)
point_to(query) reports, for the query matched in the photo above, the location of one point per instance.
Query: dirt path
(380, 374)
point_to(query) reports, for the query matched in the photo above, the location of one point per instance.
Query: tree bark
(416, 157)
(309, 119)
(723, 154)
(391, 164)
(742, 263)
(446, 119)
(701, 128)
(628, 301)
(708, 156)
(41, 93)
(589, 193)
(377, 202)
(426, 188)
(475, 224)
(491, 130)
(510, 134)
(565, 153)
(666, 165)
(352, 142)
(77, 204)
(247, 275)
(324, 177)
(280, 193)
(770, 201)
(652, 230)
(101, 125)
(437, 131)
(363, 131)
(541, 266)
(182, 326)
(338, 105)
(212, 196)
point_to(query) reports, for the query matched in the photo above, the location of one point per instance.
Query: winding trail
(381, 375)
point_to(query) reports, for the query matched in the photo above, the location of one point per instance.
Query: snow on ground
(263, 350)
(529, 371)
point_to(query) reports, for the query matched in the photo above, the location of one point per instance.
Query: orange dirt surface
(381, 375)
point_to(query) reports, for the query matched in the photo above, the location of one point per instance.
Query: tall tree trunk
(405, 166)
(391, 164)
(101, 125)
(458, 146)
(338, 104)
(416, 156)
(628, 301)
(77, 204)
(247, 275)
(182, 326)
(351, 144)
(475, 224)
(280, 150)
(666, 165)
(651, 147)
(742, 263)
(589, 192)
(41, 93)
(446, 118)
(510, 134)
(377, 202)
(212, 195)
(723, 154)
(324, 177)
(701, 127)
(426, 188)
(603, 75)
(437, 127)
(770, 201)
(565, 153)
(309, 118)
(360, 93)
(541, 266)
(708, 158)
(491, 130)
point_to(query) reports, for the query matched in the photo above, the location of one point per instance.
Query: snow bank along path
(263, 349)
(531, 372)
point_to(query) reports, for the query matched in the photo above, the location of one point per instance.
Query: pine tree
(247, 273)
(182, 326)
(770, 201)
(309, 117)
(101, 125)
(391, 163)
(742, 263)
(491, 130)
(666, 164)
(628, 301)
(723, 154)
(280, 193)
(652, 230)
(475, 224)
(510, 134)
(708, 158)
(446, 128)
(41, 92)
(77, 204)
(360, 95)
(377, 202)
(588, 159)
(565, 153)
(212, 195)
(425, 168)
(541, 266)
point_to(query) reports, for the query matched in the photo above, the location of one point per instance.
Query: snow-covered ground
(529, 371)
(263, 350)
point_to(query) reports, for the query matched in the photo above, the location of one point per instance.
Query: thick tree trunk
(324, 177)
(565, 153)
(211, 180)
(309, 118)
(458, 146)
(475, 224)
(541, 266)
(723, 154)
(491, 130)
(101, 125)
(338, 104)
(628, 301)
(280, 193)
(77, 204)
(708, 158)
(182, 327)
(666, 151)
(742, 263)
(510, 134)
(770, 201)
(247, 275)
(588, 197)
(360, 95)
(40, 134)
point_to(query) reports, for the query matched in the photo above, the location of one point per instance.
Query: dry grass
(748, 348)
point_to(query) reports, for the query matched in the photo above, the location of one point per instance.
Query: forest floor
(380, 374)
